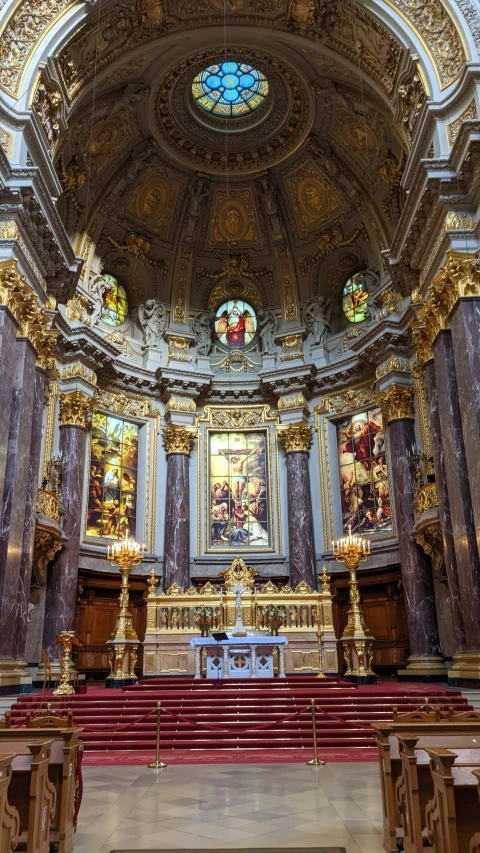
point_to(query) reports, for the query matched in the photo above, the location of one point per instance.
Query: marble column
(30, 514)
(465, 326)
(178, 441)
(458, 489)
(444, 507)
(425, 662)
(296, 439)
(12, 512)
(75, 409)
(8, 332)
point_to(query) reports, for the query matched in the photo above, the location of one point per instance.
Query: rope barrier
(262, 726)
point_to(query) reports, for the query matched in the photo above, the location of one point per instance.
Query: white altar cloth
(240, 657)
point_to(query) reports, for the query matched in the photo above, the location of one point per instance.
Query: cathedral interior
(239, 326)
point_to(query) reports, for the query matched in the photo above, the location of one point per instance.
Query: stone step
(473, 698)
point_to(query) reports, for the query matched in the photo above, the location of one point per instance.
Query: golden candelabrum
(356, 638)
(124, 555)
(67, 639)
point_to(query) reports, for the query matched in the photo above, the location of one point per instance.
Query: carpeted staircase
(224, 715)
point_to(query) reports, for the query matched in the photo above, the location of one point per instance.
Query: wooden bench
(62, 770)
(31, 792)
(459, 732)
(9, 817)
(452, 816)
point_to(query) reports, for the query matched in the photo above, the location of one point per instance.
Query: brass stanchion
(157, 764)
(315, 761)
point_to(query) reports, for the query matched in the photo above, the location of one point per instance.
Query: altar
(239, 657)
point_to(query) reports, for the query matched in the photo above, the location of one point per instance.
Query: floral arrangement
(204, 617)
(273, 617)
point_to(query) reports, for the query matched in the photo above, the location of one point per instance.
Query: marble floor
(225, 806)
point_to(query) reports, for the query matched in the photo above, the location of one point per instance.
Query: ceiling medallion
(257, 138)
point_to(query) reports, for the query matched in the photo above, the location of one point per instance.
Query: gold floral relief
(233, 220)
(314, 198)
(152, 202)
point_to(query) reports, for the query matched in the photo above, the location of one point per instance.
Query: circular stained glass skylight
(230, 89)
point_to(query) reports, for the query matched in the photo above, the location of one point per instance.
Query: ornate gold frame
(237, 415)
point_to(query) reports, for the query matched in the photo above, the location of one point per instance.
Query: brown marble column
(178, 441)
(465, 326)
(444, 507)
(458, 488)
(25, 574)
(8, 333)
(12, 511)
(75, 410)
(425, 662)
(296, 440)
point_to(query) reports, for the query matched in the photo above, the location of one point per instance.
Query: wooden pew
(475, 839)
(9, 817)
(62, 769)
(455, 733)
(31, 792)
(452, 816)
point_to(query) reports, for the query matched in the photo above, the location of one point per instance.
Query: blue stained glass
(230, 89)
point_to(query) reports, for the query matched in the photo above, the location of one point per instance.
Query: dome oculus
(230, 89)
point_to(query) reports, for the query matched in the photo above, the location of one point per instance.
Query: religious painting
(363, 473)
(355, 299)
(239, 494)
(235, 324)
(112, 492)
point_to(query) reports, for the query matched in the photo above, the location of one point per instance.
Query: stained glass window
(239, 493)
(112, 498)
(235, 323)
(115, 303)
(230, 89)
(355, 295)
(363, 473)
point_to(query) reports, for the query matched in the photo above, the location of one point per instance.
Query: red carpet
(235, 720)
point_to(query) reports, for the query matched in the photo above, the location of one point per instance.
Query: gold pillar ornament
(296, 438)
(152, 582)
(396, 403)
(325, 579)
(178, 439)
(75, 409)
(67, 639)
(356, 638)
(124, 555)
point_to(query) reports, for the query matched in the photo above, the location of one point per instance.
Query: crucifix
(239, 626)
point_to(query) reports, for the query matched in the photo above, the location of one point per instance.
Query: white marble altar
(240, 657)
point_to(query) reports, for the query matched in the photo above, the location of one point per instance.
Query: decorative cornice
(393, 364)
(396, 403)
(345, 401)
(75, 409)
(296, 438)
(178, 439)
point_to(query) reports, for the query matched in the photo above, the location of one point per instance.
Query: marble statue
(97, 287)
(316, 316)
(202, 328)
(153, 320)
(268, 326)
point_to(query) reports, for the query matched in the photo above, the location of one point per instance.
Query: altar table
(240, 657)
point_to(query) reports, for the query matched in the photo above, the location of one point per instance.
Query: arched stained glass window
(115, 303)
(355, 295)
(230, 89)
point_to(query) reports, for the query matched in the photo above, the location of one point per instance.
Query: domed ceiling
(159, 187)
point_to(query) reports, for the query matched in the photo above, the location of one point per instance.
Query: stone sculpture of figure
(304, 617)
(153, 320)
(202, 328)
(268, 325)
(293, 617)
(186, 618)
(175, 619)
(98, 286)
(163, 618)
(316, 316)
(199, 194)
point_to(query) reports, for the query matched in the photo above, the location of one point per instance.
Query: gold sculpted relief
(178, 439)
(75, 409)
(396, 403)
(233, 220)
(152, 202)
(314, 198)
(296, 438)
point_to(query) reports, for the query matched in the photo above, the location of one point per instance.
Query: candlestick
(353, 550)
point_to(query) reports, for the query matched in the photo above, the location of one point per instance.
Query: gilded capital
(459, 277)
(396, 403)
(296, 438)
(75, 409)
(178, 439)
